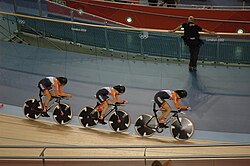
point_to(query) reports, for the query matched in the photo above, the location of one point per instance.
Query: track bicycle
(119, 120)
(181, 127)
(61, 112)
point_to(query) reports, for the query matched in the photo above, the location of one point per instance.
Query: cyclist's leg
(166, 109)
(46, 103)
(52, 93)
(105, 105)
(104, 110)
(45, 87)
(48, 95)
(103, 98)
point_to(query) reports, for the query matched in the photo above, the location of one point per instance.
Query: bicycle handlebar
(58, 98)
(118, 104)
(176, 111)
(179, 111)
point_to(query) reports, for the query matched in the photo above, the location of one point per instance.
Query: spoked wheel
(182, 131)
(88, 117)
(145, 125)
(119, 121)
(32, 109)
(62, 113)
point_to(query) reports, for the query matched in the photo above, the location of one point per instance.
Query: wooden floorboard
(23, 132)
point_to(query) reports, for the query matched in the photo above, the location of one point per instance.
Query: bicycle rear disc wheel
(62, 114)
(32, 109)
(183, 131)
(88, 117)
(119, 121)
(145, 125)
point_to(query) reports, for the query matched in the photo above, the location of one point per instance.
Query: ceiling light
(129, 19)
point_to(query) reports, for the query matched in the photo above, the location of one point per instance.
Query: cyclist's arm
(59, 91)
(177, 102)
(115, 96)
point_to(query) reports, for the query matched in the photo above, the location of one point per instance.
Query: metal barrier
(221, 48)
(144, 150)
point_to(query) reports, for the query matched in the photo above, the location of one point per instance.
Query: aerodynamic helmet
(181, 93)
(120, 88)
(62, 80)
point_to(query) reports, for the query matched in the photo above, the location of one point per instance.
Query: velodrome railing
(121, 155)
(58, 34)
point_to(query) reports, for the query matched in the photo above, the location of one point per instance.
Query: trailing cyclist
(174, 95)
(102, 96)
(52, 86)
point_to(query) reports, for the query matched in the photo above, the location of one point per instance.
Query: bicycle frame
(114, 108)
(176, 114)
(56, 102)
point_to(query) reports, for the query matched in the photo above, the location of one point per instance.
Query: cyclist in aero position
(176, 96)
(52, 86)
(102, 96)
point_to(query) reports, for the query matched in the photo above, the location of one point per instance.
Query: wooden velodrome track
(18, 131)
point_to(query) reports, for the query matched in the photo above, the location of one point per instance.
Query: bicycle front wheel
(145, 125)
(62, 114)
(182, 130)
(32, 109)
(119, 121)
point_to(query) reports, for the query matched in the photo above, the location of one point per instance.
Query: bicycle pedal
(102, 121)
(45, 114)
(163, 125)
(159, 130)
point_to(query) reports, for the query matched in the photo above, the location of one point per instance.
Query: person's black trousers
(194, 53)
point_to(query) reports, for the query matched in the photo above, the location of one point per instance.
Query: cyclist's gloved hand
(67, 96)
(189, 109)
(123, 102)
